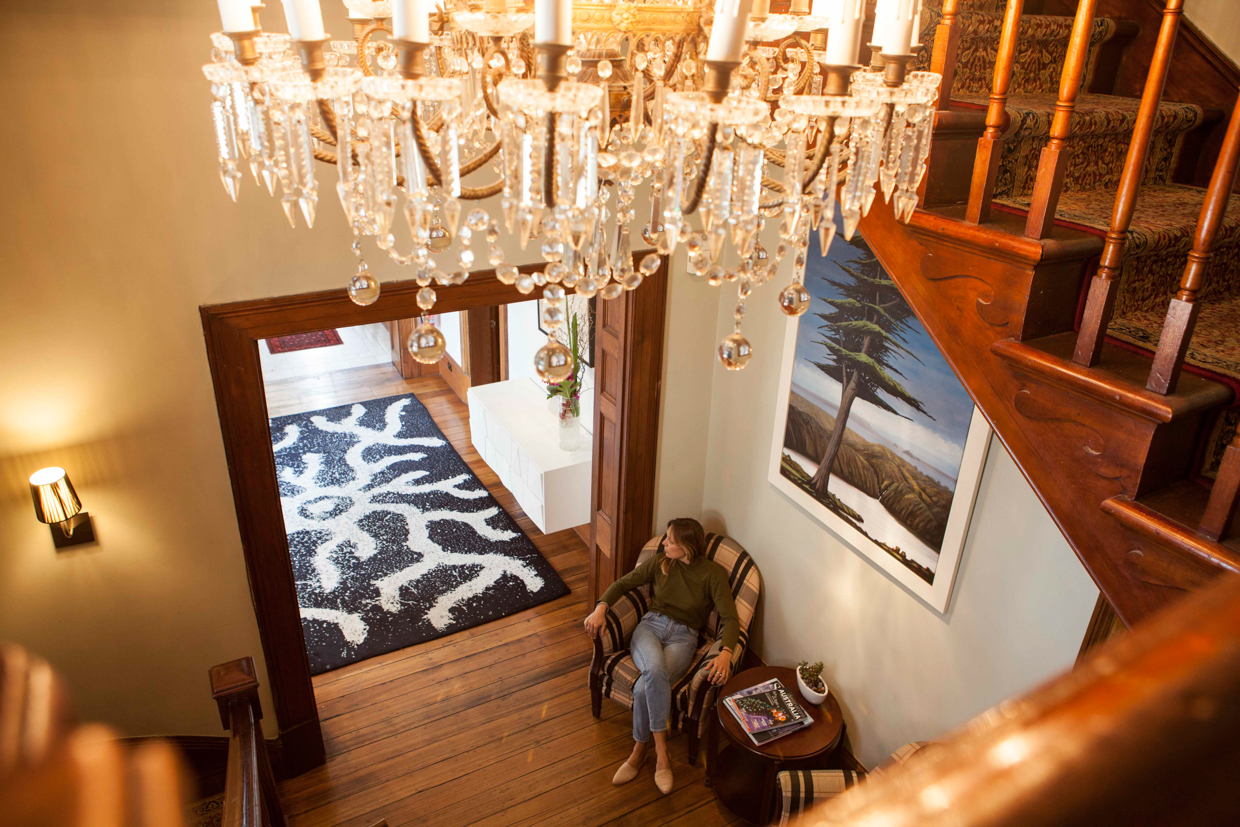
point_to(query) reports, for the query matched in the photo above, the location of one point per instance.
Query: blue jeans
(662, 649)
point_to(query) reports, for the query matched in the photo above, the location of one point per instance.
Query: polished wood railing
(990, 145)
(54, 773)
(1145, 730)
(1100, 303)
(1053, 161)
(250, 797)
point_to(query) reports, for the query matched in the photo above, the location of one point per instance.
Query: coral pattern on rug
(393, 539)
(304, 341)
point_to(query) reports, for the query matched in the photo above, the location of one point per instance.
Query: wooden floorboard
(488, 726)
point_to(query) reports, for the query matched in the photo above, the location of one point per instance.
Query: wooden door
(627, 375)
(402, 360)
(479, 350)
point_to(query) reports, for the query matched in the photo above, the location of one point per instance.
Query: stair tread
(1172, 514)
(1030, 114)
(1119, 378)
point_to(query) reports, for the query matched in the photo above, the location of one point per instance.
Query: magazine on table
(767, 711)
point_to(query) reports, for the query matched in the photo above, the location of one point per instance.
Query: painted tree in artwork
(863, 334)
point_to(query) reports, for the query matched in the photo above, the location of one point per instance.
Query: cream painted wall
(114, 229)
(1218, 21)
(902, 671)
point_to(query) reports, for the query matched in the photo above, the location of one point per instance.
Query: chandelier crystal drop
(583, 132)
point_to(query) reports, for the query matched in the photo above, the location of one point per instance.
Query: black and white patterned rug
(393, 539)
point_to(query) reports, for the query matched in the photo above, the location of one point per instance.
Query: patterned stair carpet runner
(393, 539)
(1163, 225)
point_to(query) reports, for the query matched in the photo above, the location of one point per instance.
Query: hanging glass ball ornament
(553, 362)
(794, 299)
(363, 288)
(734, 351)
(426, 344)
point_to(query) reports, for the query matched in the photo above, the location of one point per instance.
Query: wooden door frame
(232, 332)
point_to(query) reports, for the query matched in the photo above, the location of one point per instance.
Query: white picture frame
(936, 594)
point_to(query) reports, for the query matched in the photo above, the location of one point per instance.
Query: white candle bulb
(553, 21)
(305, 19)
(844, 39)
(899, 33)
(727, 33)
(235, 15)
(884, 14)
(821, 8)
(411, 20)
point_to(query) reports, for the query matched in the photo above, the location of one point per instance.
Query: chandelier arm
(699, 183)
(322, 136)
(481, 193)
(362, 42)
(424, 149)
(774, 156)
(526, 45)
(329, 118)
(486, 95)
(477, 163)
(772, 184)
(321, 154)
(820, 154)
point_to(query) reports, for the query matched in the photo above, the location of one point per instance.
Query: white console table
(516, 434)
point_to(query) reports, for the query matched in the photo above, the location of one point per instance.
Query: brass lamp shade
(54, 498)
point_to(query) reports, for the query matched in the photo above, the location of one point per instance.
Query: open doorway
(393, 537)
(621, 490)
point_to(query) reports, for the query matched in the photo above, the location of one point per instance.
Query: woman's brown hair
(690, 536)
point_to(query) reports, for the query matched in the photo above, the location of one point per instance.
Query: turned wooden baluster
(1101, 301)
(1054, 159)
(1182, 314)
(990, 145)
(946, 49)
(1218, 522)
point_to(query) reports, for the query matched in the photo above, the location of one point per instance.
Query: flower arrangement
(569, 389)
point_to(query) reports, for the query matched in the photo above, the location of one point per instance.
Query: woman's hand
(596, 619)
(720, 666)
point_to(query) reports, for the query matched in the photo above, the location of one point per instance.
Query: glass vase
(570, 433)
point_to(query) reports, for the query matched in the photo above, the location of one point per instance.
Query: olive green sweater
(686, 593)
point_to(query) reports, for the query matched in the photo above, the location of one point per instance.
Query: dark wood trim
(482, 324)
(1104, 624)
(503, 345)
(628, 369)
(206, 758)
(232, 332)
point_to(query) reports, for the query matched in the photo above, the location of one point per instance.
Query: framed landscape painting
(874, 435)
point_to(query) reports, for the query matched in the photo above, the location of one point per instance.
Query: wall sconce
(57, 503)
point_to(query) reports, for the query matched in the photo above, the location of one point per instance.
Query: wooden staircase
(1110, 442)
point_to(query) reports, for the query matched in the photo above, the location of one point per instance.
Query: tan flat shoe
(627, 772)
(663, 780)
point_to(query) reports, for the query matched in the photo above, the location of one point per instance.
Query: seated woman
(686, 587)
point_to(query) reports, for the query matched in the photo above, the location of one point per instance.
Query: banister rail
(990, 145)
(250, 797)
(1100, 303)
(946, 50)
(1053, 161)
(1182, 313)
(1145, 730)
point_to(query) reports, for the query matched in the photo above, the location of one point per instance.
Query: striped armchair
(798, 791)
(613, 673)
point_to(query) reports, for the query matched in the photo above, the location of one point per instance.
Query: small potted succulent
(809, 681)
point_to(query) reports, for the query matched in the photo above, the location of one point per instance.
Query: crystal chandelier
(727, 117)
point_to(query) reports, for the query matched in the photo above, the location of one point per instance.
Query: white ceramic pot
(808, 694)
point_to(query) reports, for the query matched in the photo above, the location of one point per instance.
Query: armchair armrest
(798, 791)
(621, 620)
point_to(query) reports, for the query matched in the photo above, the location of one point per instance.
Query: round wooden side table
(743, 774)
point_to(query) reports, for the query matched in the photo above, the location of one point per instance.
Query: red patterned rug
(304, 341)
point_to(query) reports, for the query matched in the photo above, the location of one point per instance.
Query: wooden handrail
(1101, 301)
(946, 50)
(1145, 730)
(1182, 313)
(250, 797)
(1053, 161)
(990, 145)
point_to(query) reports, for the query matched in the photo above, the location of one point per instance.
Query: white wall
(1218, 21)
(114, 228)
(902, 671)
